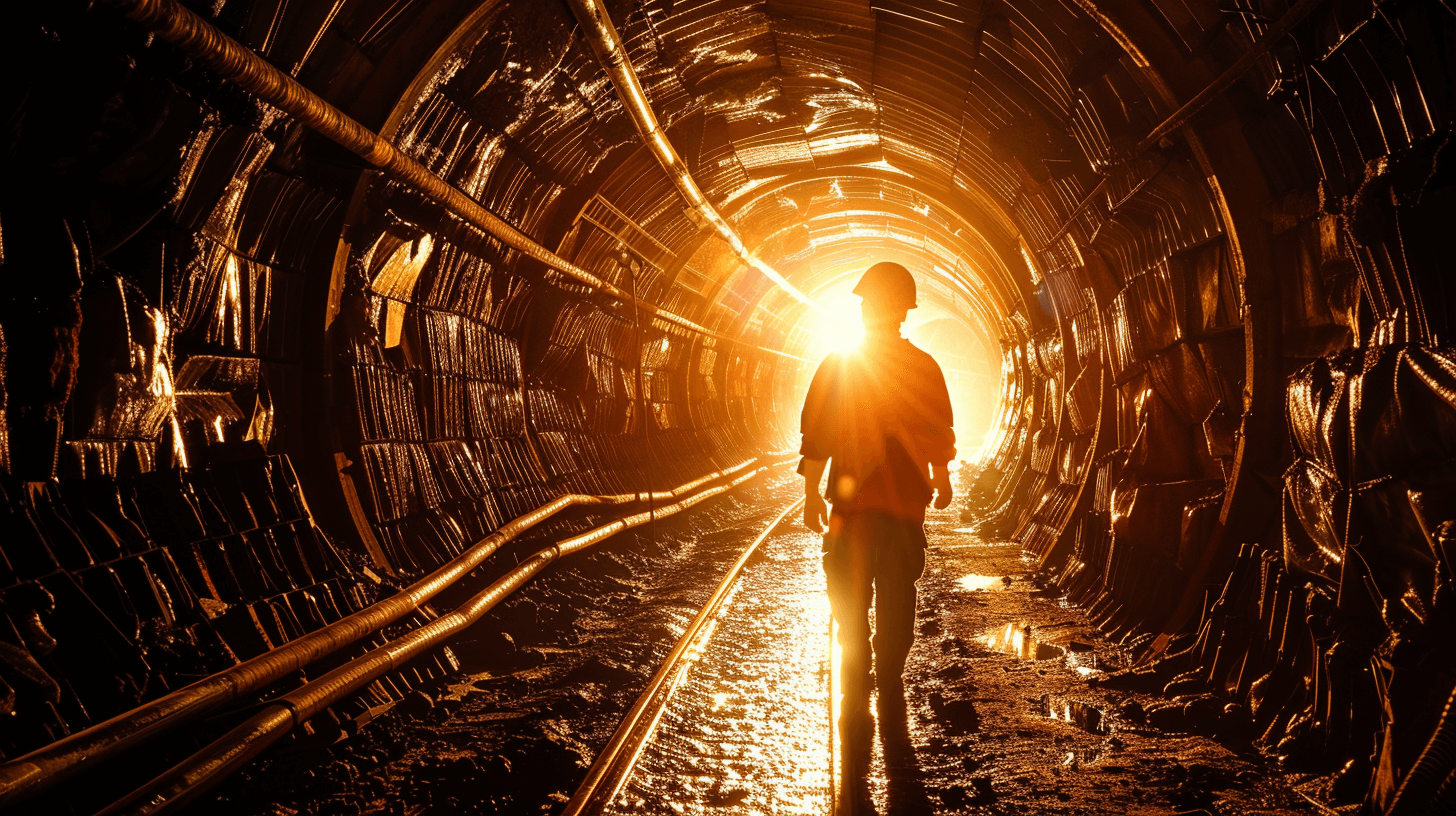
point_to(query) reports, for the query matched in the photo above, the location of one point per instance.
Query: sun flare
(840, 327)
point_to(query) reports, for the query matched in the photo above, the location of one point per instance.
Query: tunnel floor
(1006, 713)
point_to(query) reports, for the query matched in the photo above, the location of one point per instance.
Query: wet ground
(1006, 712)
(545, 679)
(748, 731)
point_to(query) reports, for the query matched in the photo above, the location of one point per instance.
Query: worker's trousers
(872, 557)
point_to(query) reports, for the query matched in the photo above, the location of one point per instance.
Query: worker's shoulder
(920, 357)
(832, 362)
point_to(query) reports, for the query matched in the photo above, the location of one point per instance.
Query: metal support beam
(1200, 100)
(41, 769)
(598, 30)
(230, 752)
(1189, 109)
(239, 65)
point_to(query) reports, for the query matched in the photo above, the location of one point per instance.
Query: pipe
(198, 773)
(1200, 100)
(1076, 211)
(597, 29)
(238, 64)
(613, 766)
(33, 773)
(1266, 41)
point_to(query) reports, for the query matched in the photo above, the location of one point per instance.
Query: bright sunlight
(840, 326)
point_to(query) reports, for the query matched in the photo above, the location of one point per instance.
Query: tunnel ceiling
(1200, 247)
(971, 105)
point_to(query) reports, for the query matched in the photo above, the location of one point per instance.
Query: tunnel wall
(244, 386)
(1250, 480)
(1214, 347)
(564, 409)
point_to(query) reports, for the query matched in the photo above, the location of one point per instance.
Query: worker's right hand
(816, 512)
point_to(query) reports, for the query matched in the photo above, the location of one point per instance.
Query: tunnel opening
(1182, 264)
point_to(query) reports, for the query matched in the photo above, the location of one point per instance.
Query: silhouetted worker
(881, 414)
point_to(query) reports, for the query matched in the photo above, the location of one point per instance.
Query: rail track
(614, 766)
(276, 717)
(697, 679)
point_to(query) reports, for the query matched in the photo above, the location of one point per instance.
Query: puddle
(1017, 639)
(1089, 718)
(983, 583)
(1075, 759)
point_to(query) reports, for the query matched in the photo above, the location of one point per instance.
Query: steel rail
(198, 773)
(611, 52)
(614, 765)
(238, 64)
(836, 771)
(33, 773)
(1198, 102)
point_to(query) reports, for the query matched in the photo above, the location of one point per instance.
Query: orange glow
(840, 328)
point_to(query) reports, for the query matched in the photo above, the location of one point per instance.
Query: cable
(631, 265)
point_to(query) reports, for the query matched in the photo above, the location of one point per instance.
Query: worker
(881, 415)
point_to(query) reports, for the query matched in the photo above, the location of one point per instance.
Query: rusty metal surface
(34, 772)
(197, 37)
(1299, 214)
(598, 30)
(205, 769)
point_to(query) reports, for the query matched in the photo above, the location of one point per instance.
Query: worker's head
(887, 294)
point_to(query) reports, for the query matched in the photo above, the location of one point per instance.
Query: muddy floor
(544, 680)
(1008, 707)
(1009, 710)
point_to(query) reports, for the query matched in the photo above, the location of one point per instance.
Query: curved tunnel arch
(648, 208)
(1149, 299)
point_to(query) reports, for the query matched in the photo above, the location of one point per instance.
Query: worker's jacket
(881, 415)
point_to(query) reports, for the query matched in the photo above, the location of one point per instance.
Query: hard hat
(889, 283)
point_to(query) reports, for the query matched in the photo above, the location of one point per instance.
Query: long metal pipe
(1266, 41)
(28, 775)
(613, 766)
(238, 64)
(1200, 100)
(597, 29)
(195, 775)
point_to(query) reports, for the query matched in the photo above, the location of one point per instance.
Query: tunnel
(322, 318)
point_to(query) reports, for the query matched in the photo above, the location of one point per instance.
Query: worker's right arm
(816, 512)
(816, 424)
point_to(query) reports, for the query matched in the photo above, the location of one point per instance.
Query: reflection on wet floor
(748, 731)
(1085, 716)
(999, 715)
(969, 539)
(1017, 639)
(983, 583)
(1008, 712)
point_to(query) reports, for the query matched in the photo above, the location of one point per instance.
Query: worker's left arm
(942, 442)
(816, 510)
(816, 425)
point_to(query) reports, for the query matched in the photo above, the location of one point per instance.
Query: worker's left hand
(816, 512)
(941, 483)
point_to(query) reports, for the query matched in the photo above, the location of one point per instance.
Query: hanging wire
(632, 266)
